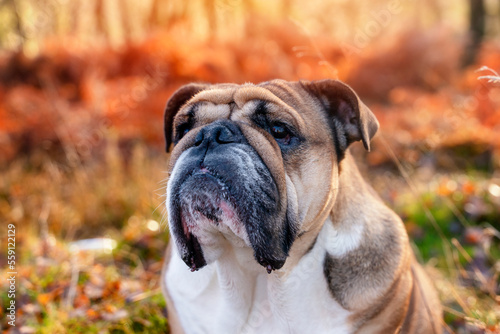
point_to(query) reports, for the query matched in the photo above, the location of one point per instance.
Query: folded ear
(176, 101)
(351, 119)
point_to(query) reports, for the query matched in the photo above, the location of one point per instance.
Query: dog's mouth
(227, 197)
(205, 194)
(206, 207)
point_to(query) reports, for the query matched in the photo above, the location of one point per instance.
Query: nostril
(224, 136)
(198, 139)
(216, 134)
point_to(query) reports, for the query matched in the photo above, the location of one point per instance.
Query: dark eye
(182, 130)
(280, 133)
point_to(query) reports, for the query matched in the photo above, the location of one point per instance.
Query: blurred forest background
(82, 90)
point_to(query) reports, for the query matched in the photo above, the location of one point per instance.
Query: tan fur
(393, 294)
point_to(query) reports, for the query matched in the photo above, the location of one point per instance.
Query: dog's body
(261, 177)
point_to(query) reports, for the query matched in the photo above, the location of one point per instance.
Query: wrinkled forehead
(276, 99)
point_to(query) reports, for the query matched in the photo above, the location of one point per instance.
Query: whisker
(159, 206)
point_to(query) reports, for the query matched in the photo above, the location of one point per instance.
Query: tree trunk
(154, 14)
(18, 22)
(125, 20)
(99, 15)
(211, 17)
(477, 27)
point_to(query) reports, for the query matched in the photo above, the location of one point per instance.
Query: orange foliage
(71, 98)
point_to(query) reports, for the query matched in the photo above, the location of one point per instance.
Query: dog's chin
(209, 216)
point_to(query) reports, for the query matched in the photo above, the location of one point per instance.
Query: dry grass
(116, 198)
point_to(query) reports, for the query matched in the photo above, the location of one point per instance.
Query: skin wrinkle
(330, 199)
(275, 109)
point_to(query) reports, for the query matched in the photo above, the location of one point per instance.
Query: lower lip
(228, 211)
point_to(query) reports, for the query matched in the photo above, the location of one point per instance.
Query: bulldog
(273, 229)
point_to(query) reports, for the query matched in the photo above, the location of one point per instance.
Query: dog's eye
(182, 130)
(280, 133)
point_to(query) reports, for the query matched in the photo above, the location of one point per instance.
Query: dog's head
(256, 165)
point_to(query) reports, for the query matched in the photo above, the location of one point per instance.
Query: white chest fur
(231, 296)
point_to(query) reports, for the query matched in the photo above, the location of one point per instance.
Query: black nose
(217, 133)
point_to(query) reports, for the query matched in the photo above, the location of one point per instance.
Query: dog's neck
(351, 196)
(345, 212)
